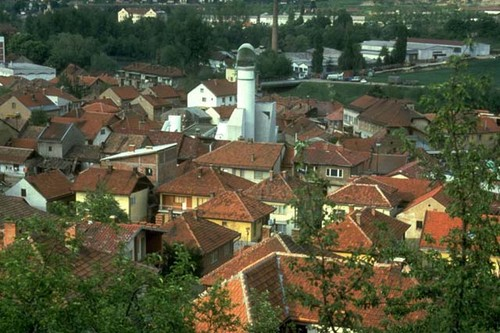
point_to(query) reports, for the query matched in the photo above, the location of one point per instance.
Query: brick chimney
(9, 233)
(266, 231)
(131, 148)
(358, 218)
(271, 175)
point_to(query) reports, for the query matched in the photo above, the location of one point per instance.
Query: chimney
(373, 211)
(200, 172)
(295, 234)
(284, 174)
(131, 147)
(358, 218)
(266, 231)
(110, 168)
(252, 157)
(212, 194)
(271, 175)
(9, 233)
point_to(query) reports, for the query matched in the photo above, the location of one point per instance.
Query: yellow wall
(123, 201)
(138, 211)
(241, 227)
(6, 110)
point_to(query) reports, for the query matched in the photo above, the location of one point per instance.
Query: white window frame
(334, 173)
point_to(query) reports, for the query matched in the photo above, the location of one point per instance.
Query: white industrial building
(27, 70)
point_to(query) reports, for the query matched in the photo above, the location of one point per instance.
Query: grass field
(489, 67)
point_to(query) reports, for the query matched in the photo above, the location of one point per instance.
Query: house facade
(16, 162)
(23, 104)
(213, 93)
(58, 138)
(143, 75)
(135, 14)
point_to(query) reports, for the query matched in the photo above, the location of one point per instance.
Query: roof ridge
(244, 289)
(192, 232)
(240, 199)
(383, 195)
(358, 226)
(283, 243)
(341, 155)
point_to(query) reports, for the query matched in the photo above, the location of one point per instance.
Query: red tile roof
(204, 181)
(13, 208)
(220, 87)
(488, 124)
(408, 189)
(116, 182)
(52, 184)
(15, 155)
(101, 106)
(249, 255)
(158, 70)
(438, 225)
(164, 91)
(125, 93)
(368, 195)
(53, 91)
(278, 188)
(55, 131)
(106, 237)
(437, 194)
(364, 102)
(244, 155)
(225, 111)
(325, 153)
(234, 206)
(196, 232)
(24, 143)
(118, 143)
(410, 170)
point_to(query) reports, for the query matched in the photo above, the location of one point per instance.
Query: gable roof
(247, 256)
(325, 153)
(89, 123)
(369, 195)
(52, 184)
(125, 93)
(408, 189)
(234, 206)
(363, 102)
(13, 208)
(15, 155)
(437, 225)
(204, 181)
(224, 111)
(437, 194)
(276, 188)
(158, 70)
(410, 170)
(116, 182)
(53, 91)
(106, 237)
(220, 87)
(196, 232)
(390, 113)
(164, 91)
(34, 100)
(101, 107)
(244, 155)
(55, 131)
(148, 150)
(117, 142)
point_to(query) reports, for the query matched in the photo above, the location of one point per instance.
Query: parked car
(356, 79)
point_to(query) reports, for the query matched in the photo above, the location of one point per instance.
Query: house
(212, 93)
(332, 162)
(250, 160)
(105, 105)
(413, 169)
(214, 242)
(278, 190)
(238, 212)
(156, 162)
(142, 75)
(17, 162)
(14, 209)
(414, 213)
(21, 105)
(157, 100)
(135, 14)
(129, 188)
(363, 229)
(196, 187)
(121, 96)
(220, 113)
(58, 138)
(119, 143)
(132, 240)
(10, 128)
(63, 100)
(353, 110)
(352, 196)
(42, 189)
(273, 274)
(220, 60)
(487, 129)
(248, 255)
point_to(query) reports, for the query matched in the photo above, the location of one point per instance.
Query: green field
(489, 67)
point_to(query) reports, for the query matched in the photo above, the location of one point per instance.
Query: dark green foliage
(351, 58)
(265, 317)
(39, 118)
(398, 54)
(170, 259)
(273, 65)
(317, 56)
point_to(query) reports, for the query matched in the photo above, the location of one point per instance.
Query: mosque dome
(246, 56)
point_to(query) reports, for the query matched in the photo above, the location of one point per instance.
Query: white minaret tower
(245, 66)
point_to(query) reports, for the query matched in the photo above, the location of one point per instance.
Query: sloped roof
(390, 113)
(408, 189)
(103, 106)
(220, 87)
(411, 170)
(437, 194)
(106, 237)
(145, 68)
(325, 153)
(33, 100)
(55, 131)
(15, 155)
(203, 181)
(53, 91)
(368, 195)
(436, 41)
(225, 111)
(438, 225)
(244, 155)
(24, 143)
(277, 188)
(13, 208)
(247, 256)
(196, 232)
(52, 184)
(117, 142)
(89, 261)
(139, 152)
(116, 182)
(234, 206)
(125, 93)
(164, 91)
(363, 102)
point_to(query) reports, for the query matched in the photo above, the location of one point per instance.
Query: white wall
(33, 197)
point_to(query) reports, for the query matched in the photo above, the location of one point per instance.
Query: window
(132, 200)
(103, 131)
(13, 105)
(202, 90)
(201, 201)
(230, 98)
(336, 173)
(204, 99)
(280, 209)
(180, 200)
(258, 174)
(224, 223)
(227, 250)
(214, 257)
(23, 192)
(149, 171)
(16, 167)
(280, 228)
(420, 224)
(223, 99)
(50, 148)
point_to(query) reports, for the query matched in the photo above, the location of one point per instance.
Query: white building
(136, 14)
(212, 93)
(27, 70)
(249, 120)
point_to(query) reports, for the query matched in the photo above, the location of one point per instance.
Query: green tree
(351, 57)
(384, 55)
(459, 293)
(39, 118)
(265, 317)
(398, 54)
(317, 56)
(66, 48)
(271, 64)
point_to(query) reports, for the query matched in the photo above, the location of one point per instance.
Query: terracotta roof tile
(438, 225)
(53, 91)
(368, 195)
(390, 113)
(15, 155)
(245, 155)
(52, 184)
(13, 208)
(278, 188)
(117, 182)
(198, 233)
(101, 107)
(234, 206)
(55, 131)
(24, 143)
(364, 102)
(410, 170)
(89, 261)
(34, 100)
(408, 189)
(325, 153)
(225, 111)
(32, 132)
(220, 87)
(106, 237)
(164, 91)
(125, 93)
(118, 143)
(204, 181)
(249, 255)
(437, 194)
(145, 68)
